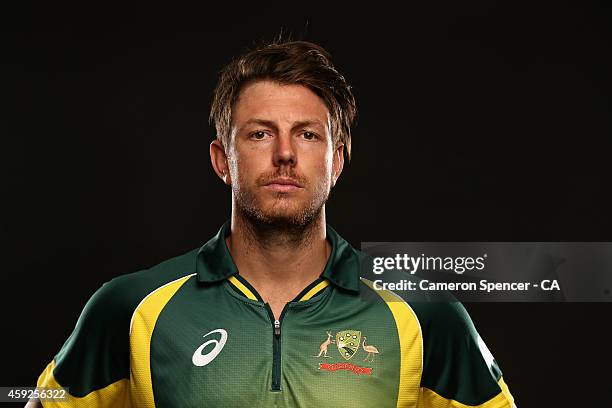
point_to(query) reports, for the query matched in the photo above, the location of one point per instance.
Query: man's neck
(278, 262)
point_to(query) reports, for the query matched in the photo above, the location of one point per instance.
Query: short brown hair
(295, 62)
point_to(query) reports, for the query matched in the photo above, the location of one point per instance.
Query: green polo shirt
(191, 332)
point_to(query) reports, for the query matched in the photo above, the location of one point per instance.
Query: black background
(487, 123)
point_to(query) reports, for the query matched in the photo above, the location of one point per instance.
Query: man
(272, 310)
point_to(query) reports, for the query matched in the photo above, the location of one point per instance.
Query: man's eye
(258, 135)
(309, 135)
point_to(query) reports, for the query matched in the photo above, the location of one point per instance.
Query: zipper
(276, 347)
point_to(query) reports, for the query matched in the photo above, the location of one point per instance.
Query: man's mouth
(283, 185)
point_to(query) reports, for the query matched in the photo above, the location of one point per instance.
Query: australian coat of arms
(348, 342)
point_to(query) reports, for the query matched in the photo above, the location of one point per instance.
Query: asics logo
(200, 359)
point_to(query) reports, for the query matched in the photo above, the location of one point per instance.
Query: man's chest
(229, 354)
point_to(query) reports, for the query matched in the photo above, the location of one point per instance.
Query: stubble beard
(282, 216)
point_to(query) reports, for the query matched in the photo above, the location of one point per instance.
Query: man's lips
(283, 185)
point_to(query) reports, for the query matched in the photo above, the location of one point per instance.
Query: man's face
(281, 159)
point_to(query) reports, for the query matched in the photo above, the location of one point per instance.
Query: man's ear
(218, 159)
(337, 163)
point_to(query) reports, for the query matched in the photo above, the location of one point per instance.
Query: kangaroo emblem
(323, 346)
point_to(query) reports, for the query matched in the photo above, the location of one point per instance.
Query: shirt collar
(214, 261)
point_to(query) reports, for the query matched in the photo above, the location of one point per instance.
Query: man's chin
(279, 212)
(279, 218)
(284, 217)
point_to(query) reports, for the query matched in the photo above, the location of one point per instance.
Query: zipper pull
(277, 328)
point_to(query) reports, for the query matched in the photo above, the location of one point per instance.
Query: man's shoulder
(436, 311)
(444, 318)
(99, 343)
(120, 296)
(144, 280)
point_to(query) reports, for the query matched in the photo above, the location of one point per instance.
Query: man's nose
(284, 151)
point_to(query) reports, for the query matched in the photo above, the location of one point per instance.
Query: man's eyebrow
(272, 124)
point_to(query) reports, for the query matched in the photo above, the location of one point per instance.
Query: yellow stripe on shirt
(411, 346)
(143, 323)
(246, 291)
(431, 399)
(113, 395)
(319, 287)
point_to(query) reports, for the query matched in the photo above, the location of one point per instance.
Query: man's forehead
(267, 102)
(307, 122)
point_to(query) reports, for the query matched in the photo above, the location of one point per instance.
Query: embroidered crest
(348, 342)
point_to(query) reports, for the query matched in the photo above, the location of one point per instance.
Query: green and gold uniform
(191, 332)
